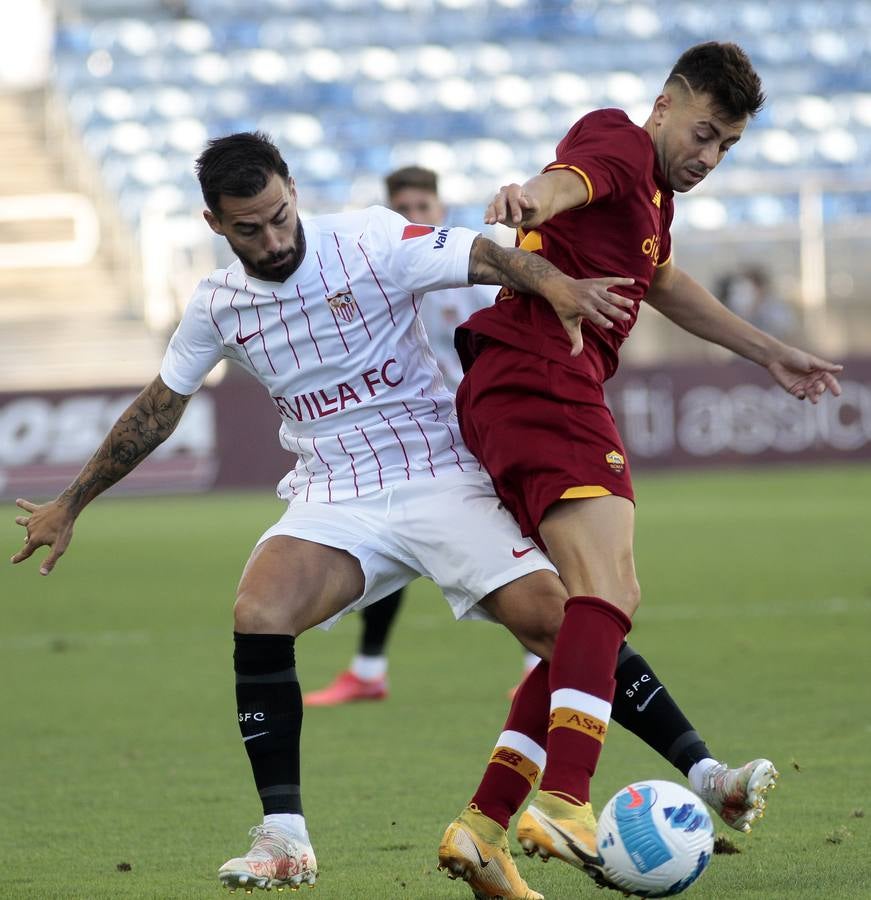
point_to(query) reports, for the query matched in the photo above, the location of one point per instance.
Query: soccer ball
(655, 837)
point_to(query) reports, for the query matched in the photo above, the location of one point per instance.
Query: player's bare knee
(255, 614)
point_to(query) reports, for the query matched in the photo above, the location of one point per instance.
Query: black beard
(279, 275)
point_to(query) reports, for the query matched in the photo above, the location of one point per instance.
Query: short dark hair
(724, 72)
(238, 165)
(411, 177)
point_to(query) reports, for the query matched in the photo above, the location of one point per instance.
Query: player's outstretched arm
(145, 424)
(537, 200)
(572, 299)
(683, 300)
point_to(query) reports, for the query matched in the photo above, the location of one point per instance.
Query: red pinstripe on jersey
(308, 322)
(374, 454)
(327, 293)
(413, 418)
(286, 329)
(380, 288)
(401, 445)
(348, 283)
(353, 467)
(212, 312)
(260, 329)
(239, 331)
(329, 470)
(435, 409)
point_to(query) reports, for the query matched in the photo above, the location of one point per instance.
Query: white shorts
(454, 531)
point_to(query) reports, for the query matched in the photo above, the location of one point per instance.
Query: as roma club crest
(616, 461)
(342, 303)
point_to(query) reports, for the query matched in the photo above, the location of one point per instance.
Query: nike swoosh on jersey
(642, 706)
(519, 553)
(244, 340)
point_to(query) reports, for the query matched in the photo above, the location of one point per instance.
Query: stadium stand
(480, 90)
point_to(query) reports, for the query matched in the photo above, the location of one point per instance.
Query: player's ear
(213, 222)
(291, 186)
(661, 106)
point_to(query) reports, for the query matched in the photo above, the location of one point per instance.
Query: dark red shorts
(542, 431)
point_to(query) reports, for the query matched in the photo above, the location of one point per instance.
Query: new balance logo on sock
(252, 736)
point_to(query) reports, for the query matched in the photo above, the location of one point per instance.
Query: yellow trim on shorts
(582, 492)
(582, 174)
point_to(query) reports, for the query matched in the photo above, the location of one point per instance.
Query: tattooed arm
(572, 299)
(144, 425)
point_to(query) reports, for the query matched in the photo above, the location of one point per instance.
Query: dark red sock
(581, 689)
(518, 758)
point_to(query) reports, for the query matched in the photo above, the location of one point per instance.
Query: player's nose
(271, 240)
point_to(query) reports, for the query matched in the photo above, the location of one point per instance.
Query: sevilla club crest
(342, 303)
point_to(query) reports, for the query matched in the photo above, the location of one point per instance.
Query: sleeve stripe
(581, 174)
(660, 265)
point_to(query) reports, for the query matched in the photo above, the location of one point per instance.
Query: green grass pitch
(123, 775)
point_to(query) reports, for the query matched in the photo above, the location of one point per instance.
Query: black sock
(643, 706)
(377, 622)
(269, 702)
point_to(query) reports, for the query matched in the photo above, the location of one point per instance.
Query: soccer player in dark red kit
(532, 410)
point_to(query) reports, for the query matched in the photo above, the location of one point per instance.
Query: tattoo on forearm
(144, 425)
(518, 269)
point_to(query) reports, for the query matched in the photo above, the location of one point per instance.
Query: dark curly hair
(238, 165)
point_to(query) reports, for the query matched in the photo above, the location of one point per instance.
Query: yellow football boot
(475, 848)
(552, 826)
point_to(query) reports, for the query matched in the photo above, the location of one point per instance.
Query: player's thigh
(590, 543)
(458, 534)
(531, 608)
(290, 584)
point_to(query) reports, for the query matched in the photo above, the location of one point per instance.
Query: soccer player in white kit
(325, 315)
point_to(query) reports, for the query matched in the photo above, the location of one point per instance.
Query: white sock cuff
(524, 744)
(369, 667)
(292, 823)
(697, 772)
(582, 702)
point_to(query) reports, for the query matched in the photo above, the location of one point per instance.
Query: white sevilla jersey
(340, 348)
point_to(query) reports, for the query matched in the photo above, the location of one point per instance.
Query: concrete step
(28, 294)
(76, 352)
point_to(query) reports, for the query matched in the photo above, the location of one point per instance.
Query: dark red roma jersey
(623, 230)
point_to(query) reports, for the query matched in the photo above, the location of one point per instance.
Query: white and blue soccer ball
(655, 838)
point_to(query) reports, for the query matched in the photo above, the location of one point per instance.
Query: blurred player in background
(413, 193)
(532, 410)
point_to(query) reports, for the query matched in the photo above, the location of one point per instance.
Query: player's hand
(591, 299)
(512, 206)
(804, 375)
(48, 525)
